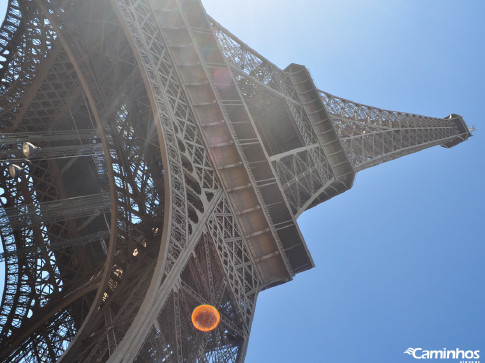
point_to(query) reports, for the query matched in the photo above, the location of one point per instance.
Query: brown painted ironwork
(152, 162)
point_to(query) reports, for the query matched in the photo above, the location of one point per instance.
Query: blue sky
(400, 257)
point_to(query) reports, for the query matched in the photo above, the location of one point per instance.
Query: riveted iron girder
(168, 163)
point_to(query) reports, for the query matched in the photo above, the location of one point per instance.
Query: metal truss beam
(184, 154)
(371, 135)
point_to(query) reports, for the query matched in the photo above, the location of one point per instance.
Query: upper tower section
(316, 141)
(371, 135)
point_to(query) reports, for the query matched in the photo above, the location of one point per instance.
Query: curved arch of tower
(152, 162)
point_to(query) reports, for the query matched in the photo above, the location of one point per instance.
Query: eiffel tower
(152, 162)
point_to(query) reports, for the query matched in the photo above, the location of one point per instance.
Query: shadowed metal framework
(151, 162)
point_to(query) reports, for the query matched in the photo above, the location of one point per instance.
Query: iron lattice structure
(152, 162)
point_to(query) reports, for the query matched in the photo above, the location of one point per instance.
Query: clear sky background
(400, 258)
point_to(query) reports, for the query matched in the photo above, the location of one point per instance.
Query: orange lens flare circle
(205, 318)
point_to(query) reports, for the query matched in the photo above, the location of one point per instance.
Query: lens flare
(222, 78)
(205, 317)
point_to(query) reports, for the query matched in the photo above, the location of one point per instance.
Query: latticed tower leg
(219, 272)
(153, 162)
(126, 116)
